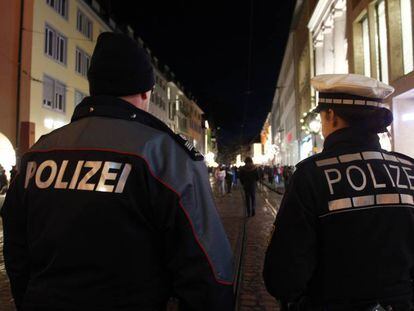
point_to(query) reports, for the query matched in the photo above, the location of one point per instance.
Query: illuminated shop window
(407, 35)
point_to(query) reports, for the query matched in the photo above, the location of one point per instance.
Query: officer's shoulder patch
(189, 147)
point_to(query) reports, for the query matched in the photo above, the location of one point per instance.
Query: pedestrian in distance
(274, 174)
(229, 179)
(221, 179)
(248, 178)
(278, 175)
(344, 234)
(270, 176)
(114, 211)
(3, 180)
(235, 177)
(282, 173)
(287, 174)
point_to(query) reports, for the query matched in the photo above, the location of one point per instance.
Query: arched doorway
(7, 154)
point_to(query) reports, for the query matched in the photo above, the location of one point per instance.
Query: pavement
(6, 300)
(253, 294)
(248, 238)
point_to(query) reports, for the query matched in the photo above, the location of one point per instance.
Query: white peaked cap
(352, 84)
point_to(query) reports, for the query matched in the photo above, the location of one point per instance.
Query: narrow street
(248, 238)
(252, 294)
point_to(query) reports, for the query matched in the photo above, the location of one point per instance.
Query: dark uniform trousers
(344, 234)
(250, 197)
(115, 212)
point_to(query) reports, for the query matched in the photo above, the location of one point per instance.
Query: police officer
(114, 211)
(344, 234)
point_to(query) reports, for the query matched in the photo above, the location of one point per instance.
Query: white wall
(403, 110)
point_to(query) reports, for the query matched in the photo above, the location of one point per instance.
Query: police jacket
(344, 234)
(115, 212)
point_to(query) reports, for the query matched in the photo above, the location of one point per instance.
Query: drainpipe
(19, 70)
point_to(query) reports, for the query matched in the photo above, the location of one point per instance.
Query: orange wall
(9, 44)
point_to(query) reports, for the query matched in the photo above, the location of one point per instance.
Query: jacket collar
(351, 137)
(117, 108)
(114, 107)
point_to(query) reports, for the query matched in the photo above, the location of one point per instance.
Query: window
(55, 45)
(366, 47)
(381, 42)
(328, 29)
(171, 110)
(407, 35)
(79, 96)
(54, 94)
(82, 62)
(60, 6)
(48, 85)
(84, 24)
(60, 96)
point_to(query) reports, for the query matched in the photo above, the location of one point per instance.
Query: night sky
(206, 44)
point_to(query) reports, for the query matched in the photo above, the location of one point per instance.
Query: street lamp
(315, 126)
(311, 124)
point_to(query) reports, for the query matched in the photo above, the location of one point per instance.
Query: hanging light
(315, 126)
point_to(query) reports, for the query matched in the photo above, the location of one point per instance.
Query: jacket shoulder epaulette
(189, 147)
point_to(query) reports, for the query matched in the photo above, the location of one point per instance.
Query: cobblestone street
(252, 293)
(6, 302)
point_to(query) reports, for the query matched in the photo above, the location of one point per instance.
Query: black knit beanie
(119, 67)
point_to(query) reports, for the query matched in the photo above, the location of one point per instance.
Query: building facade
(285, 136)
(196, 127)
(64, 36)
(159, 99)
(382, 48)
(15, 58)
(369, 37)
(174, 95)
(46, 51)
